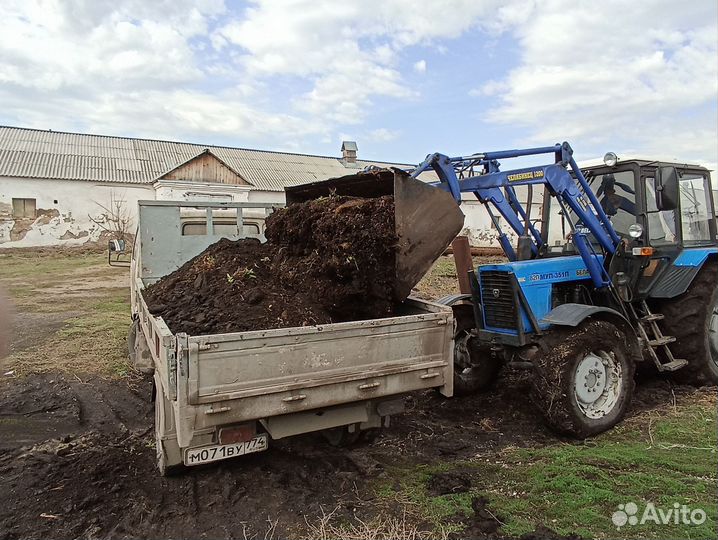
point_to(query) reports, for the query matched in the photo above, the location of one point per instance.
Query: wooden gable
(207, 168)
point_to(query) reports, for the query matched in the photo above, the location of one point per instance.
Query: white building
(67, 188)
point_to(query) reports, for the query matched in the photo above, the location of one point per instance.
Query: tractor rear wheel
(693, 319)
(583, 378)
(475, 369)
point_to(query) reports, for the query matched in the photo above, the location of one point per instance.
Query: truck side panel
(286, 360)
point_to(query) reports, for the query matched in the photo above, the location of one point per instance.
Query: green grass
(38, 264)
(93, 340)
(92, 343)
(409, 486)
(667, 457)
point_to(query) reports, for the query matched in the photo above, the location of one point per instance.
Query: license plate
(207, 454)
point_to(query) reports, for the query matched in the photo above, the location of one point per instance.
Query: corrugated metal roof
(32, 153)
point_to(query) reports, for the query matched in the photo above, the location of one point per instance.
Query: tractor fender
(575, 314)
(677, 278)
(466, 300)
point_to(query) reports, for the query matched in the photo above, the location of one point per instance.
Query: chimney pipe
(349, 151)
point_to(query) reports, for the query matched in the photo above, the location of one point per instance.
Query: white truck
(225, 395)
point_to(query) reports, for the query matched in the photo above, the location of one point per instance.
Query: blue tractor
(618, 267)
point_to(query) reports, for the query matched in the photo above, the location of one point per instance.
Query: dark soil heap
(326, 260)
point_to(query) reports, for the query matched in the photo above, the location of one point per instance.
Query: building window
(23, 208)
(199, 228)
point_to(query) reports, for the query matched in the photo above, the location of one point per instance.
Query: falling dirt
(326, 260)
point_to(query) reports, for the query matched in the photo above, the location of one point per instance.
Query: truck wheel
(693, 319)
(341, 436)
(475, 369)
(583, 378)
(168, 452)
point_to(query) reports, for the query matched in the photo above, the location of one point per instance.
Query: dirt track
(76, 461)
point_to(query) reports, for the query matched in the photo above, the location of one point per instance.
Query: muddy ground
(77, 447)
(77, 461)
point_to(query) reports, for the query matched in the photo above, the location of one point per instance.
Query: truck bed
(289, 380)
(255, 375)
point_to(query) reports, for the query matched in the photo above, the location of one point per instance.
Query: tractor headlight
(635, 230)
(610, 159)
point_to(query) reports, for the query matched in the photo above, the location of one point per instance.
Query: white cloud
(383, 135)
(129, 68)
(280, 71)
(62, 63)
(608, 73)
(74, 44)
(349, 51)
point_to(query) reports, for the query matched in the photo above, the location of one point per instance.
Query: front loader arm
(479, 174)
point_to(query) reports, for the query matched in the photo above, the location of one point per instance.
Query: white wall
(68, 205)
(77, 200)
(271, 197)
(67, 222)
(477, 224)
(481, 232)
(173, 190)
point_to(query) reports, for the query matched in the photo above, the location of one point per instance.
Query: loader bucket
(426, 218)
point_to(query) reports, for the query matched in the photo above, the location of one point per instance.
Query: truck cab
(193, 222)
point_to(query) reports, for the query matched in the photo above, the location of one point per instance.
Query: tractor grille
(497, 298)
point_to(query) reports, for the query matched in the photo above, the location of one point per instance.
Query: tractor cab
(671, 203)
(664, 212)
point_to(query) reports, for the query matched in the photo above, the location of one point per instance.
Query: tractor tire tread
(686, 318)
(550, 391)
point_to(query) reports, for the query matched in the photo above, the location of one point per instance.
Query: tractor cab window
(694, 213)
(694, 209)
(617, 194)
(661, 224)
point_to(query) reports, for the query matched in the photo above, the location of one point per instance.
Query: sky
(402, 78)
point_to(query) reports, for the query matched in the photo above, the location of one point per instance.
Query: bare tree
(115, 218)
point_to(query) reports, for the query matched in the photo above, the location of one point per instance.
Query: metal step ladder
(651, 334)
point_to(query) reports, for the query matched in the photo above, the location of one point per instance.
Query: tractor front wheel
(583, 378)
(475, 369)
